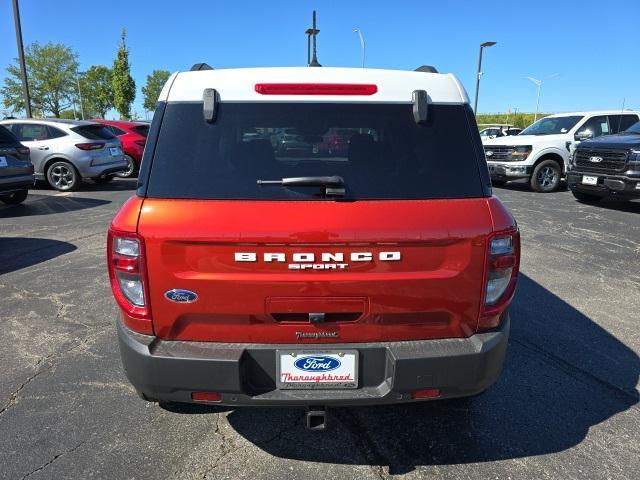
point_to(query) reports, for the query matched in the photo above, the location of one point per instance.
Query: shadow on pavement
(523, 186)
(563, 374)
(48, 205)
(115, 185)
(20, 252)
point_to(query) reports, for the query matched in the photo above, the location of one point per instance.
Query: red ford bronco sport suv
(247, 274)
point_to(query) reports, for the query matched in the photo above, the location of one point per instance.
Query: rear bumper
(94, 171)
(244, 374)
(608, 184)
(16, 182)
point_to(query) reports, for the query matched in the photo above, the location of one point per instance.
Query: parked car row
(541, 153)
(63, 153)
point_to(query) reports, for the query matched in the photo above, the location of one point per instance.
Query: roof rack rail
(201, 66)
(426, 69)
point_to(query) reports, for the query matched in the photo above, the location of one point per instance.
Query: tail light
(501, 276)
(140, 142)
(128, 275)
(23, 150)
(90, 146)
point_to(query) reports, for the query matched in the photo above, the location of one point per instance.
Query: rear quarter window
(94, 132)
(382, 154)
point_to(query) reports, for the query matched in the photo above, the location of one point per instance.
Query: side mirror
(583, 135)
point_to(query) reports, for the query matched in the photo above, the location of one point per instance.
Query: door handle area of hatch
(43, 147)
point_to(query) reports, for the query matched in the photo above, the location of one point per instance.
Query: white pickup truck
(540, 153)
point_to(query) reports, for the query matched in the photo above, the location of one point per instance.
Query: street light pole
(23, 66)
(362, 44)
(80, 93)
(539, 83)
(482, 46)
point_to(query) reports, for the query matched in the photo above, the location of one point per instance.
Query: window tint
(141, 130)
(596, 125)
(54, 132)
(635, 128)
(115, 130)
(30, 132)
(620, 123)
(377, 149)
(6, 137)
(552, 125)
(94, 132)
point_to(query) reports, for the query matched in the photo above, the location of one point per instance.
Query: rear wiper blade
(333, 185)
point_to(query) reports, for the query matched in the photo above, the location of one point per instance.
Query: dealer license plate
(317, 369)
(588, 180)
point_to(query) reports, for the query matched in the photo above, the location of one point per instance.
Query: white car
(541, 152)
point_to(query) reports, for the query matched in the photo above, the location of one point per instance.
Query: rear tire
(16, 197)
(63, 176)
(546, 177)
(131, 168)
(585, 197)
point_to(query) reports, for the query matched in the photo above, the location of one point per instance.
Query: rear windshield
(6, 137)
(94, 132)
(378, 150)
(141, 130)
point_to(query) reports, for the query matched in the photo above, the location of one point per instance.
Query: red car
(133, 136)
(248, 278)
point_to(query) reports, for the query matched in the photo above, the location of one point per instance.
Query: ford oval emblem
(181, 296)
(317, 363)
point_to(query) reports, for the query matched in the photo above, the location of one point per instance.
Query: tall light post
(23, 67)
(312, 32)
(482, 47)
(539, 83)
(79, 92)
(362, 44)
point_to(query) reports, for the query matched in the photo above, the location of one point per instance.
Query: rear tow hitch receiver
(316, 418)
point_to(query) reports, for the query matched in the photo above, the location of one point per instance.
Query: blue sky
(594, 46)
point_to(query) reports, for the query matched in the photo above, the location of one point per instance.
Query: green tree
(152, 89)
(97, 91)
(51, 70)
(124, 87)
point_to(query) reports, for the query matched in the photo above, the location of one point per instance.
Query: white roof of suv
(237, 85)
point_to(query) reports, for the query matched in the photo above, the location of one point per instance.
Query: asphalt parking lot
(565, 407)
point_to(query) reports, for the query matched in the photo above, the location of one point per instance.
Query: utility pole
(362, 44)
(80, 93)
(312, 32)
(482, 46)
(23, 66)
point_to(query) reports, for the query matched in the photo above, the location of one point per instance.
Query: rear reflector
(425, 393)
(315, 89)
(206, 396)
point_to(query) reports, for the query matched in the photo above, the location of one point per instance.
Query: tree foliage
(51, 71)
(124, 87)
(152, 89)
(97, 91)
